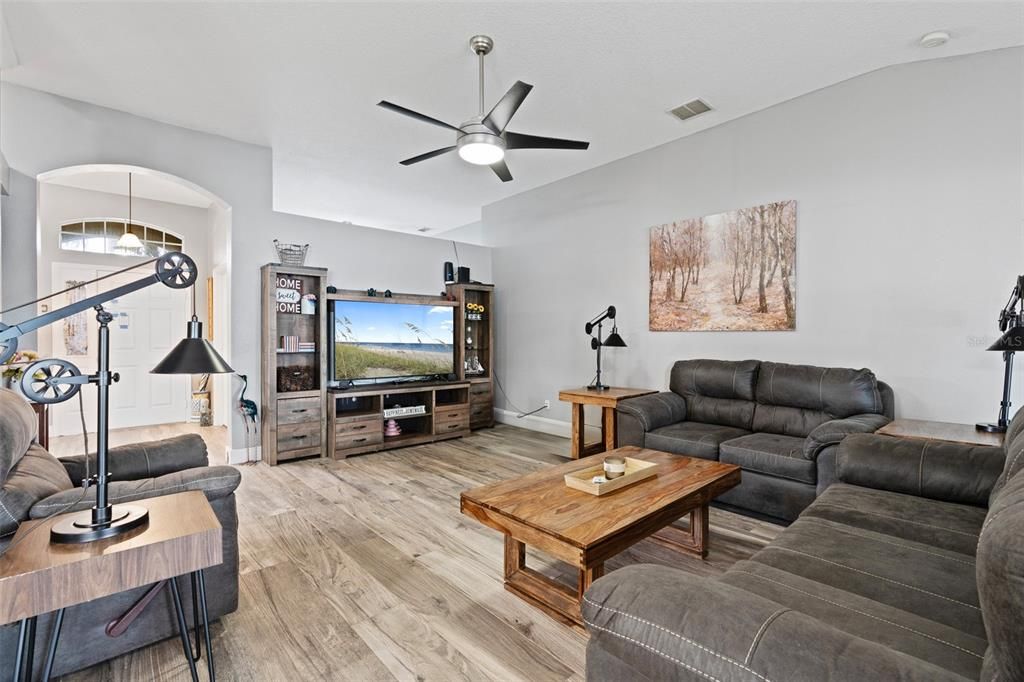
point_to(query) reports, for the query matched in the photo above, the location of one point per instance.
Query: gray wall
(43, 132)
(909, 189)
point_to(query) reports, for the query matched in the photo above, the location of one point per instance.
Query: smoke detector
(934, 39)
(691, 109)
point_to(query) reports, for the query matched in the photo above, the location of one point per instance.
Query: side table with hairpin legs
(183, 537)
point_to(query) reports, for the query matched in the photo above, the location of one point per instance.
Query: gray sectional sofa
(780, 423)
(35, 484)
(909, 567)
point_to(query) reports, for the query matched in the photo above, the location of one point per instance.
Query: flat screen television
(383, 341)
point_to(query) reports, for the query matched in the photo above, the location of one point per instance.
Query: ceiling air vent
(690, 109)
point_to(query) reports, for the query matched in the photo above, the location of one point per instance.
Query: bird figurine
(250, 413)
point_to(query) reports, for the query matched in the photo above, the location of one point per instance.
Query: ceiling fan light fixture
(481, 149)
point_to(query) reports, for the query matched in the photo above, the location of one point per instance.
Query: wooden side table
(37, 577)
(607, 400)
(929, 430)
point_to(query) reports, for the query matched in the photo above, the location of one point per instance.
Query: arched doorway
(81, 213)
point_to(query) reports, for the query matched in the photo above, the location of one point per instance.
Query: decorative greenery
(14, 367)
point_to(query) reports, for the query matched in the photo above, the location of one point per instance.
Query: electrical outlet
(547, 404)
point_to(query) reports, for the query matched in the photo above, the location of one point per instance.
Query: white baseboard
(242, 455)
(533, 422)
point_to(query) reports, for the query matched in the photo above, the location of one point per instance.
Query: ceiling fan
(483, 139)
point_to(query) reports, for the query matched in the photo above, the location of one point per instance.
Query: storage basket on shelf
(291, 254)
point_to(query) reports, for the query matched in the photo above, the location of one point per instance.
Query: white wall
(43, 132)
(909, 189)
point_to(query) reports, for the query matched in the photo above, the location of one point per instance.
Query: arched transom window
(101, 235)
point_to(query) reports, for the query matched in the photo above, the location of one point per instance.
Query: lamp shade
(193, 355)
(1012, 340)
(614, 340)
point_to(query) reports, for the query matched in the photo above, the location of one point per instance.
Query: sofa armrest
(667, 624)
(144, 460)
(215, 482)
(654, 410)
(941, 470)
(834, 431)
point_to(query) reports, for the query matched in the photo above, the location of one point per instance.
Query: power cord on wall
(520, 412)
(69, 505)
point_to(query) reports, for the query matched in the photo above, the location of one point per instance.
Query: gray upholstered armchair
(35, 484)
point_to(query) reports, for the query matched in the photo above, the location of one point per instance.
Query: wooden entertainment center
(303, 416)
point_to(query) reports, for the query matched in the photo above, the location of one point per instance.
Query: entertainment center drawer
(357, 440)
(480, 391)
(361, 427)
(297, 436)
(481, 414)
(448, 427)
(295, 410)
(444, 413)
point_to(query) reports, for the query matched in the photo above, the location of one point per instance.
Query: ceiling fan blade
(521, 141)
(507, 106)
(428, 155)
(415, 114)
(501, 170)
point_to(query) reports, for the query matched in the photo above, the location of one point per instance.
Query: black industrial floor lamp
(54, 381)
(1012, 340)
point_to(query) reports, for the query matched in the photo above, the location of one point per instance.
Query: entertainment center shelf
(358, 425)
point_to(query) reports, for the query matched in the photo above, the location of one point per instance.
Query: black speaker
(463, 275)
(449, 273)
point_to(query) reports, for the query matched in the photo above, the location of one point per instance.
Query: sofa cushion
(36, 475)
(716, 391)
(18, 426)
(215, 482)
(876, 621)
(1001, 580)
(945, 525)
(769, 453)
(794, 399)
(911, 576)
(144, 460)
(1012, 466)
(695, 439)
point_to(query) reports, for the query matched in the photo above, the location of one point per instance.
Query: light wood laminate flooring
(364, 569)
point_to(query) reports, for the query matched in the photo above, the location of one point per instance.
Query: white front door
(147, 324)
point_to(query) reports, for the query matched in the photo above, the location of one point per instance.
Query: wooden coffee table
(586, 530)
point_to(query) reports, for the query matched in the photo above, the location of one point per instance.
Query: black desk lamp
(54, 381)
(596, 343)
(1012, 340)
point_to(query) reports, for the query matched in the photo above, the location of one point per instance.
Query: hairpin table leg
(54, 638)
(206, 624)
(183, 628)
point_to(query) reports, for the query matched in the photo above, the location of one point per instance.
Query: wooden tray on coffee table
(636, 470)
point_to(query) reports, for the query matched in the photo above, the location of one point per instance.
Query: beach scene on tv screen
(381, 340)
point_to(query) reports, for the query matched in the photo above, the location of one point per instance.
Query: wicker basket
(291, 254)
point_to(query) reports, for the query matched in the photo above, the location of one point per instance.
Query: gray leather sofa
(910, 567)
(780, 423)
(35, 484)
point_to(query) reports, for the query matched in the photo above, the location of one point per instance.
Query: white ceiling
(144, 186)
(303, 79)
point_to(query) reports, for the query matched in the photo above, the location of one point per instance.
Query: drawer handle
(359, 440)
(300, 411)
(360, 427)
(453, 414)
(300, 437)
(454, 426)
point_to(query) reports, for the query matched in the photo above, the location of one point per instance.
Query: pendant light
(129, 243)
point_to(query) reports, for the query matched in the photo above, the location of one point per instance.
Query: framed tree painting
(733, 271)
